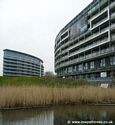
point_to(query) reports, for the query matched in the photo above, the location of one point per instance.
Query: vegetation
(28, 92)
(47, 81)
(11, 96)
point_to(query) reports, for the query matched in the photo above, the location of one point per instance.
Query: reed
(27, 96)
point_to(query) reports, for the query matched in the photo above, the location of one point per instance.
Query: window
(112, 60)
(92, 65)
(102, 64)
(65, 70)
(69, 69)
(86, 66)
(74, 68)
(80, 67)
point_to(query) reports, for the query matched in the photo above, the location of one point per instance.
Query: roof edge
(23, 54)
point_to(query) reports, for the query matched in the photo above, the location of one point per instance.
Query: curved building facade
(21, 64)
(85, 47)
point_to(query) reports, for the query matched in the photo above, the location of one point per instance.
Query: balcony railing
(100, 23)
(62, 59)
(99, 14)
(95, 44)
(21, 66)
(112, 26)
(90, 38)
(113, 37)
(102, 80)
(112, 15)
(15, 63)
(20, 72)
(65, 38)
(66, 44)
(93, 55)
(112, 5)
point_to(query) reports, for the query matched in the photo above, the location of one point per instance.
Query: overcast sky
(31, 26)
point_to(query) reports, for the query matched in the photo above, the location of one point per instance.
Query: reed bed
(28, 96)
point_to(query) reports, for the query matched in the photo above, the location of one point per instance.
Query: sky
(31, 26)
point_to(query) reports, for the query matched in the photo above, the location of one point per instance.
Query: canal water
(60, 115)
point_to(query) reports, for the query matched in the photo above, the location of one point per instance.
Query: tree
(49, 74)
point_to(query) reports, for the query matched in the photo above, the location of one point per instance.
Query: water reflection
(27, 117)
(57, 115)
(84, 113)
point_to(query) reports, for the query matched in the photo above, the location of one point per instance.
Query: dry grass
(24, 96)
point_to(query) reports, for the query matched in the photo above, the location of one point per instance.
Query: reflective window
(86, 66)
(92, 65)
(112, 60)
(69, 69)
(80, 67)
(102, 64)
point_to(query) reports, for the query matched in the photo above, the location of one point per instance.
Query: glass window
(86, 66)
(92, 65)
(74, 68)
(69, 69)
(112, 60)
(102, 64)
(80, 67)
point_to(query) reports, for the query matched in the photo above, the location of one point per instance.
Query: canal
(60, 115)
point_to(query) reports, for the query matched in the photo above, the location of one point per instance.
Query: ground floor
(100, 69)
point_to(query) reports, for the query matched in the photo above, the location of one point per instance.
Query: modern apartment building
(85, 47)
(21, 64)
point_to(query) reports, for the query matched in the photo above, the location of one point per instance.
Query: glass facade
(21, 64)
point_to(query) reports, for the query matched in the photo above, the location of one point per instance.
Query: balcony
(96, 7)
(93, 10)
(113, 37)
(65, 32)
(112, 26)
(90, 38)
(11, 62)
(100, 23)
(61, 46)
(113, 16)
(99, 14)
(100, 80)
(62, 59)
(95, 44)
(64, 51)
(93, 55)
(21, 72)
(20, 66)
(65, 44)
(112, 5)
(65, 38)
(57, 49)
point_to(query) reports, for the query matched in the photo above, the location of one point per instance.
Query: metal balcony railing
(98, 14)
(93, 55)
(95, 44)
(100, 23)
(90, 38)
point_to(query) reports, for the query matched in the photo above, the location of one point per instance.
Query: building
(21, 64)
(85, 47)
